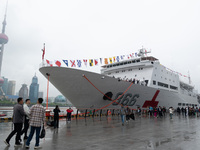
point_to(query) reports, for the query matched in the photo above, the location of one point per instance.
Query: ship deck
(181, 133)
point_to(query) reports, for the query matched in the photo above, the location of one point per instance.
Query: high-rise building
(23, 92)
(11, 88)
(4, 86)
(33, 90)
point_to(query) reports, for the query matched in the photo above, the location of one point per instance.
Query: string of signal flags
(94, 62)
(87, 62)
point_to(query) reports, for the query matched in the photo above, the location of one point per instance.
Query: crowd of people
(33, 117)
(157, 112)
(24, 116)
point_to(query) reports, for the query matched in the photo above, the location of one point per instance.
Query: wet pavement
(108, 133)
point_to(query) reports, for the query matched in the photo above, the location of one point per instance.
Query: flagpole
(47, 90)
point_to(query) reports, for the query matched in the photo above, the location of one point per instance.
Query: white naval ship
(138, 82)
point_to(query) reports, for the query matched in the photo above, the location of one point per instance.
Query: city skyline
(78, 30)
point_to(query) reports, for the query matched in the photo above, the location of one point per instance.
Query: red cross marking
(153, 102)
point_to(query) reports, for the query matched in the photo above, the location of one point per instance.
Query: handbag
(42, 133)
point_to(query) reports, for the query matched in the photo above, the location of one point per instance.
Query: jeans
(33, 129)
(170, 115)
(17, 129)
(122, 117)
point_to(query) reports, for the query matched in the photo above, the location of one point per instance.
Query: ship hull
(86, 90)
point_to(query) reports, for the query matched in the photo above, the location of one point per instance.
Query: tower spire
(4, 21)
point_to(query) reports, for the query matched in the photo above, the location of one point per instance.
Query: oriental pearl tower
(3, 41)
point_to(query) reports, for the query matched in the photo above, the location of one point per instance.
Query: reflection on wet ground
(108, 133)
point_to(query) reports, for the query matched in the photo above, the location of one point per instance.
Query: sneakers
(27, 147)
(7, 143)
(37, 147)
(18, 144)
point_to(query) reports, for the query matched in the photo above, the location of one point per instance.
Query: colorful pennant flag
(85, 62)
(117, 58)
(73, 63)
(66, 62)
(79, 63)
(110, 60)
(91, 62)
(106, 61)
(96, 61)
(114, 59)
(49, 63)
(100, 60)
(58, 63)
(43, 52)
(136, 55)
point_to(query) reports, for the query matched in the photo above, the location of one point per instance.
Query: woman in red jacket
(69, 114)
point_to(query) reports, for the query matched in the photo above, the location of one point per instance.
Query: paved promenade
(108, 133)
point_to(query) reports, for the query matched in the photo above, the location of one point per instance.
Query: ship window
(123, 70)
(138, 60)
(109, 73)
(179, 104)
(195, 105)
(163, 84)
(121, 64)
(125, 62)
(117, 71)
(183, 104)
(187, 104)
(154, 82)
(117, 64)
(129, 69)
(133, 61)
(173, 87)
(129, 62)
(165, 78)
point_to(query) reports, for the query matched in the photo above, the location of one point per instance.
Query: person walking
(171, 110)
(128, 113)
(122, 113)
(18, 114)
(56, 116)
(26, 118)
(37, 118)
(69, 114)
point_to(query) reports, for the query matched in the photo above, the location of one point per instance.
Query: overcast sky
(79, 29)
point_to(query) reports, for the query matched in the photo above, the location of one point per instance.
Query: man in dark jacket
(18, 114)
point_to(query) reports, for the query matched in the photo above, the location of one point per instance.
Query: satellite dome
(3, 38)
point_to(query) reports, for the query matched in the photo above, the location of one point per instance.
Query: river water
(8, 111)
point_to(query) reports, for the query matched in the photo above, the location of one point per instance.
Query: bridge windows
(163, 84)
(173, 87)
